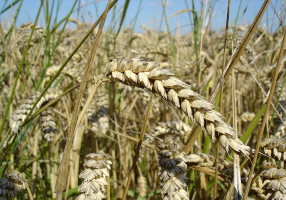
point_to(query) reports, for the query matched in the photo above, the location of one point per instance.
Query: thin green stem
(47, 52)
(138, 147)
(170, 37)
(196, 28)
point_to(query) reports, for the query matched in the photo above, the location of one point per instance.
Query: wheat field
(94, 113)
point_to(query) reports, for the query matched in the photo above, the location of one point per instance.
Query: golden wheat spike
(22, 111)
(11, 185)
(173, 166)
(47, 118)
(94, 175)
(273, 186)
(162, 82)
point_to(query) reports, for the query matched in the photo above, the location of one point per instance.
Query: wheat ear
(149, 75)
(96, 170)
(47, 118)
(11, 185)
(21, 113)
(173, 166)
(274, 185)
(274, 147)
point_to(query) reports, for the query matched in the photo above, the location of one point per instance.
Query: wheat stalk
(149, 75)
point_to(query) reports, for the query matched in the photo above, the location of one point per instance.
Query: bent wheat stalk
(149, 75)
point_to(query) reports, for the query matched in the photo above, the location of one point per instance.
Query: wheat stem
(260, 134)
(138, 147)
(62, 173)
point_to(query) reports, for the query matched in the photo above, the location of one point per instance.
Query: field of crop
(93, 113)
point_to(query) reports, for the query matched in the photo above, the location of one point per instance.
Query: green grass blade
(20, 138)
(172, 47)
(135, 195)
(10, 5)
(54, 48)
(123, 15)
(9, 33)
(252, 124)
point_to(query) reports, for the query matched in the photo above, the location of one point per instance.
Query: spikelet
(194, 159)
(274, 147)
(172, 169)
(22, 38)
(11, 185)
(22, 111)
(247, 116)
(206, 160)
(73, 69)
(47, 118)
(94, 175)
(24, 32)
(142, 186)
(202, 160)
(281, 130)
(274, 185)
(171, 127)
(166, 128)
(152, 77)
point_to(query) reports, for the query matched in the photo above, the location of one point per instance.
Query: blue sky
(150, 12)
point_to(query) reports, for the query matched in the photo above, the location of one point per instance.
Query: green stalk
(196, 28)
(14, 144)
(135, 20)
(3, 158)
(253, 124)
(14, 22)
(170, 37)
(9, 6)
(235, 23)
(126, 4)
(47, 52)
